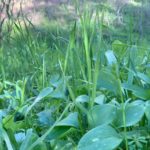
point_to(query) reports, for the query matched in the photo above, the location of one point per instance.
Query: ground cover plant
(83, 87)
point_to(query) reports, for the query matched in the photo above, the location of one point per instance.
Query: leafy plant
(77, 89)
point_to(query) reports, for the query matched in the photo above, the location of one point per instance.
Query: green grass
(83, 87)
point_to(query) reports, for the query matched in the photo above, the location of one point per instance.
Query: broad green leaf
(101, 114)
(63, 145)
(56, 80)
(8, 123)
(57, 132)
(119, 48)
(2, 97)
(71, 120)
(139, 52)
(100, 99)
(137, 91)
(59, 92)
(45, 118)
(9, 83)
(82, 108)
(20, 137)
(133, 114)
(143, 77)
(45, 92)
(29, 139)
(110, 57)
(108, 81)
(100, 138)
(82, 98)
(138, 102)
(130, 76)
(133, 51)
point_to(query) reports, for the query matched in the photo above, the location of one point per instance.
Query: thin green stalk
(88, 60)
(73, 98)
(66, 59)
(40, 139)
(44, 71)
(123, 110)
(23, 91)
(85, 22)
(80, 65)
(87, 48)
(3, 73)
(67, 84)
(96, 70)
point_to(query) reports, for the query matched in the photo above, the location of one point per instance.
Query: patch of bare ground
(40, 10)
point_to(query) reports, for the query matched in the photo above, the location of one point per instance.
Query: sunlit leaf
(102, 138)
(133, 114)
(110, 57)
(137, 91)
(29, 139)
(70, 120)
(107, 81)
(82, 98)
(101, 114)
(45, 92)
(45, 118)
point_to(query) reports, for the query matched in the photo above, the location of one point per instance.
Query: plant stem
(97, 64)
(123, 111)
(40, 139)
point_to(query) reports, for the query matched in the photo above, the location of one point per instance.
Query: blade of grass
(50, 129)
(97, 65)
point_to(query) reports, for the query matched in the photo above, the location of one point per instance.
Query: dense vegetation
(83, 86)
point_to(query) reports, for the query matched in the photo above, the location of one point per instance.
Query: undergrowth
(77, 89)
